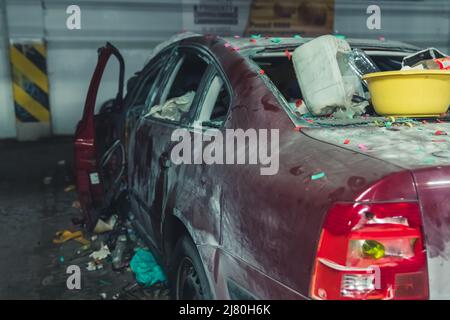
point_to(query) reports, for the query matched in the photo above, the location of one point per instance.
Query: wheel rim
(188, 282)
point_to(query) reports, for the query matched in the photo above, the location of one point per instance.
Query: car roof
(246, 45)
(274, 43)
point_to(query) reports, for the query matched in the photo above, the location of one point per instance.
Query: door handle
(164, 161)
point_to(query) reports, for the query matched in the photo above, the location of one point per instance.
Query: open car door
(99, 151)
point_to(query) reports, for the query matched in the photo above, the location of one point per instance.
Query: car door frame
(152, 97)
(130, 98)
(137, 202)
(214, 69)
(168, 124)
(89, 162)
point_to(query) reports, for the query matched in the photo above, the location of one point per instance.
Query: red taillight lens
(371, 251)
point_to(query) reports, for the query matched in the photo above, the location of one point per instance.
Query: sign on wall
(221, 17)
(287, 17)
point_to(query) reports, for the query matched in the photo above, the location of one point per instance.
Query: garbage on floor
(101, 254)
(66, 235)
(105, 226)
(146, 269)
(118, 253)
(114, 260)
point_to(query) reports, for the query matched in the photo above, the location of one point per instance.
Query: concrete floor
(31, 212)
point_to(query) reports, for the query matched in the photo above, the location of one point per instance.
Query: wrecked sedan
(336, 209)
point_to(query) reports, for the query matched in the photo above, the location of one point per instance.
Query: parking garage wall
(134, 27)
(424, 23)
(7, 117)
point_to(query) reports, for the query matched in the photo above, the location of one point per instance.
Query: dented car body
(253, 236)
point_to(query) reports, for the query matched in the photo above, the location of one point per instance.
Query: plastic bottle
(117, 254)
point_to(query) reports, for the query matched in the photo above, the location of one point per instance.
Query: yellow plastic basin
(410, 93)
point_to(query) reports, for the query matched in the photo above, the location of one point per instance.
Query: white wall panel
(7, 115)
(424, 23)
(135, 27)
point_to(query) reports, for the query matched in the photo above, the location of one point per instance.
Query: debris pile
(113, 249)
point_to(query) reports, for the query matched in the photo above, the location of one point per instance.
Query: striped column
(30, 86)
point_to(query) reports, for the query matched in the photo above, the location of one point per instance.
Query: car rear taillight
(371, 251)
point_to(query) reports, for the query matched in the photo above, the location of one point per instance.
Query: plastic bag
(174, 108)
(146, 269)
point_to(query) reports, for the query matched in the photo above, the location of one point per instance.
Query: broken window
(279, 68)
(146, 86)
(182, 85)
(215, 105)
(281, 71)
(388, 63)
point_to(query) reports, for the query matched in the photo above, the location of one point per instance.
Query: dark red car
(355, 210)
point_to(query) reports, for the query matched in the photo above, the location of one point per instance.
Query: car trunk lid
(422, 145)
(422, 149)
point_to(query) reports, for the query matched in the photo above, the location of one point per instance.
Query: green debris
(275, 40)
(146, 269)
(255, 36)
(317, 176)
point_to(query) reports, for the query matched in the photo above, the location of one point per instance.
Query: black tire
(187, 276)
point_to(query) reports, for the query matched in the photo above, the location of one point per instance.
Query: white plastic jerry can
(324, 74)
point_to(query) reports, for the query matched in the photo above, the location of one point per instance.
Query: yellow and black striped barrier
(30, 81)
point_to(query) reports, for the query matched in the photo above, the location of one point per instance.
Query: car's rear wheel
(188, 277)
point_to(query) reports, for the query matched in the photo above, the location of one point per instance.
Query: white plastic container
(325, 76)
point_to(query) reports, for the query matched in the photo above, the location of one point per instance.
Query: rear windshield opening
(280, 71)
(386, 63)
